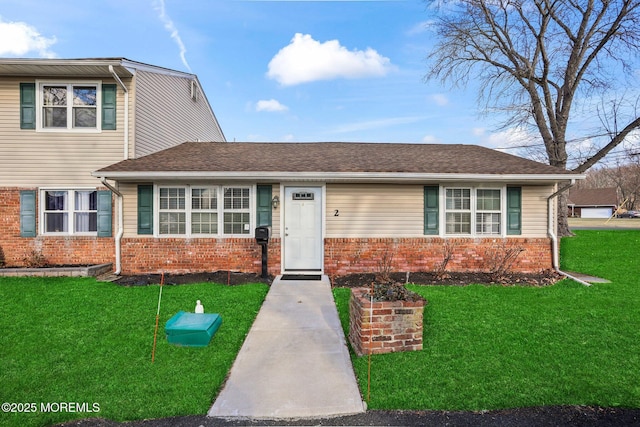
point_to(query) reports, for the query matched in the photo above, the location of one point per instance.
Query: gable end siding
(166, 115)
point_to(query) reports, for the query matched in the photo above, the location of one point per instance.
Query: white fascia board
(155, 69)
(332, 176)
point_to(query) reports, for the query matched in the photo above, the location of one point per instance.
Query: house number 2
(336, 213)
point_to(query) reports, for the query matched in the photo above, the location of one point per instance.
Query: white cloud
(173, 31)
(419, 28)
(306, 60)
(508, 139)
(430, 139)
(440, 99)
(20, 38)
(270, 105)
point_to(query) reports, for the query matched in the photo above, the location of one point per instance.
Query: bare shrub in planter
(385, 317)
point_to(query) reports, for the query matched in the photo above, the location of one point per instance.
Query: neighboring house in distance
(61, 119)
(334, 208)
(592, 202)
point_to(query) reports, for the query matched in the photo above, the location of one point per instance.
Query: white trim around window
(65, 212)
(204, 210)
(69, 106)
(473, 211)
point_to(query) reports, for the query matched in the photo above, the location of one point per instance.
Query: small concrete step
(107, 277)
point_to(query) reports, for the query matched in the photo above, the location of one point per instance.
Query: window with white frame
(458, 211)
(236, 210)
(172, 215)
(69, 211)
(204, 210)
(488, 211)
(195, 210)
(68, 106)
(473, 211)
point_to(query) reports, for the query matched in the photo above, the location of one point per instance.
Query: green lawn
(78, 340)
(486, 347)
(493, 347)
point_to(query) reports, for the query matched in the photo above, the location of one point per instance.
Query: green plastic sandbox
(192, 329)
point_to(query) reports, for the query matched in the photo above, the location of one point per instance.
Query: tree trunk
(563, 213)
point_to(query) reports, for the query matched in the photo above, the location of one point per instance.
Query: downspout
(554, 238)
(120, 224)
(118, 239)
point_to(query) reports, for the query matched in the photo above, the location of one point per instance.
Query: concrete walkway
(294, 363)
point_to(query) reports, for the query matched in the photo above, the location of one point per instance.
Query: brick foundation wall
(178, 255)
(358, 255)
(394, 325)
(55, 250)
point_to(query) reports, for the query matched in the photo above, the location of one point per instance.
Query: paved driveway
(604, 224)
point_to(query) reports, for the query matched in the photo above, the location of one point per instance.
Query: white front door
(303, 229)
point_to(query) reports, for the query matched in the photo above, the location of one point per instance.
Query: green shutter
(145, 209)
(104, 213)
(263, 213)
(514, 210)
(431, 210)
(28, 213)
(108, 107)
(27, 105)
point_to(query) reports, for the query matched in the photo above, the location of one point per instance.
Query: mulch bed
(349, 281)
(230, 278)
(455, 279)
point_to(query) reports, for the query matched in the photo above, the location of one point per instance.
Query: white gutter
(118, 238)
(126, 111)
(328, 176)
(554, 238)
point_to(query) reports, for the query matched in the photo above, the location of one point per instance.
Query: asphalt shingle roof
(593, 197)
(328, 157)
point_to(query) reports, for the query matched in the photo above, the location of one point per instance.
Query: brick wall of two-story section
(17, 251)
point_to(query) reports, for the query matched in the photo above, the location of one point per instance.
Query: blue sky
(273, 70)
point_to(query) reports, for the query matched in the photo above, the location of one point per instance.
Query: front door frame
(283, 221)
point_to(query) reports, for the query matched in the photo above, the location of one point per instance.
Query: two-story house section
(61, 119)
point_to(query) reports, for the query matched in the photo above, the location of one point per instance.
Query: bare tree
(542, 63)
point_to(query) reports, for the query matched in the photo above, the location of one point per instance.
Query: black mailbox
(262, 235)
(262, 238)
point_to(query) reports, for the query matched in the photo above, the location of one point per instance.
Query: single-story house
(332, 208)
(592, 202)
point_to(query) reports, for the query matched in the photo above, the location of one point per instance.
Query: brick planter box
(394, 326)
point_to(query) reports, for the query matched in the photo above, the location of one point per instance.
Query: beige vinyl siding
(275, 213)
(130, 197)
(398, 210)
(166, 115)
(534, 210)
(374, 210)
(46, 159)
